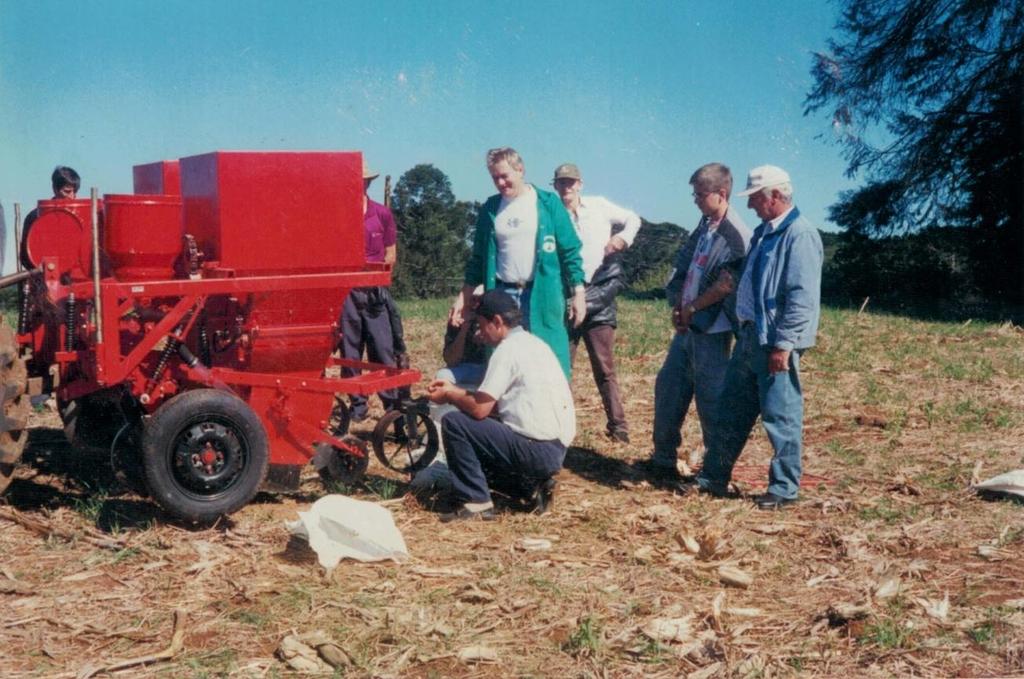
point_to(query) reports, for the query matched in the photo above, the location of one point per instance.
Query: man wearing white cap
(778, 307)
(605, 229)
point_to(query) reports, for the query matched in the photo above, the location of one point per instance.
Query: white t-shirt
(531, 391)
(594, 220)
(515, 229)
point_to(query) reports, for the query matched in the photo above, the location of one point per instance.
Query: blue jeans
(465, 375)
(750, 391)
(521, 296)
(486, 452)
(694, 367)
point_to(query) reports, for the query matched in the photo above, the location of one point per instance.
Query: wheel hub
(208, 456)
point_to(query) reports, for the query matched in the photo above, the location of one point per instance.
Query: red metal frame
(268, 289)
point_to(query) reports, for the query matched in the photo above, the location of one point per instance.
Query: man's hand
(455, 316)
(614, 244)
(437, 391)
(476, 404)
(578, 310)
(778, 361)
(681, 317)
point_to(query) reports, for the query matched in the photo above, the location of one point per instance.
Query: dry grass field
(889, 566)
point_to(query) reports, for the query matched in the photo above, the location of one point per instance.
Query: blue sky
(638, 94)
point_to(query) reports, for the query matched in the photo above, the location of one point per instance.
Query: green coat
(559, 267)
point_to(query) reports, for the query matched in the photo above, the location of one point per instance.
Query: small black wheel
(347, 467)
(204, 455)
(405, 442)
(340, 419)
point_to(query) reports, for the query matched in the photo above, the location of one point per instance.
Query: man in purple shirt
(369, 314)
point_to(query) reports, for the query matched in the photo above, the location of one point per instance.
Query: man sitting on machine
(525, 445)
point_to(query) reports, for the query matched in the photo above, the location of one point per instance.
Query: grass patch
(983, 633)
(294, 599)
(654, 653)
(383, 488)
(248, 616)
(888, 512)
(887, 633)
(213, 664)
(958, 368)
(545, 585)
(585, 640)
(90, 507)
(336, 487)
(844, 454)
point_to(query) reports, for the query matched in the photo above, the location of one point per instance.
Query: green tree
(927, 100)
(433, 234)
(649, 260)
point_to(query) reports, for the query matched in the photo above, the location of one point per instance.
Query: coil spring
(204, 341)
(25, 312)
(70, 319)
(172, 346)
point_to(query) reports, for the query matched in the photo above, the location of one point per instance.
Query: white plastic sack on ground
(339, 527)
(1010, 482)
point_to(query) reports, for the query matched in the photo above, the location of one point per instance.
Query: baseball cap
(567, 171)
(763, 177)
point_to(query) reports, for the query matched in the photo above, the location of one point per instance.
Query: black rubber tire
(198, 423)
(341, 417)
(14, 405)
(402, 453)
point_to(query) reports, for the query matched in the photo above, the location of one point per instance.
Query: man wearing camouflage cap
(605, 229)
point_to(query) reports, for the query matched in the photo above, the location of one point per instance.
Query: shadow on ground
(54, 474)
(592, 466)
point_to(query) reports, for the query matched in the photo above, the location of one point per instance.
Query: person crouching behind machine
(524, 447)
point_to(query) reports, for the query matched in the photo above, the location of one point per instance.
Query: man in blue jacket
(778, 307)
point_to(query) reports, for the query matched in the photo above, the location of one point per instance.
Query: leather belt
(520, 285)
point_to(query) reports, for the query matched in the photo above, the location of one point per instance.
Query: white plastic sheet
(1011, 483)
(339, 527)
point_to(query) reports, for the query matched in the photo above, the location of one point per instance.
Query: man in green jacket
(525, 245)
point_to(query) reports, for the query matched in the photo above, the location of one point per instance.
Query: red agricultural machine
(191, 326)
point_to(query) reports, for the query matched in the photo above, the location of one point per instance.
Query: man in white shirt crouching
(524, 446)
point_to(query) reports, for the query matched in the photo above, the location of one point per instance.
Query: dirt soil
(888, 566)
